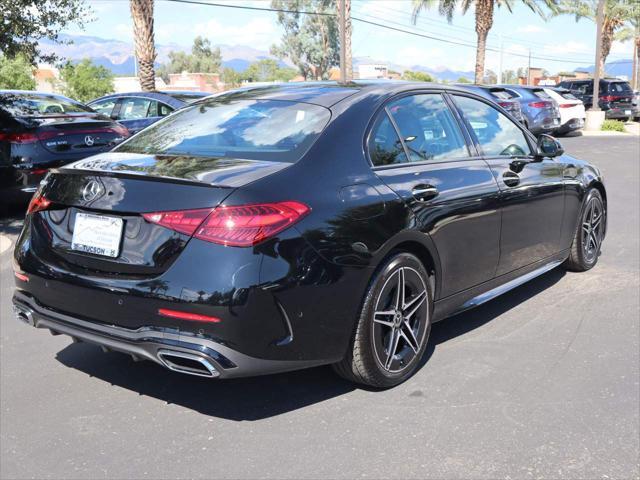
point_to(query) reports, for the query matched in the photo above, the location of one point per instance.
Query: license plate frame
(98, 235)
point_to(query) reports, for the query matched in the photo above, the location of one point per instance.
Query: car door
(531, 188)
(419, 150)
(133, 113)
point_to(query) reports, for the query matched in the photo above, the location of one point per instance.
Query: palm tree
(484, 18)
(616, 14)
(142, 14)
(632, 32)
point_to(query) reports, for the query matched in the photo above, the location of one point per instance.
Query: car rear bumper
(571, 125)
(625, 112)
(178, 351)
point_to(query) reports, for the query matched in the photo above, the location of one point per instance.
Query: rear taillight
(38, 203)
(238, 226)
(121, 130)
(539, 104)
(610, 98)
(183, 221)
(507, 105)
(27, 137)
(567, 105)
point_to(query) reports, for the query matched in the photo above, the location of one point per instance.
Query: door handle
(511, 179)
(424, 193)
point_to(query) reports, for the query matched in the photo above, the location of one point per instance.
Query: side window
(496, 133)
(385, 147)
(134, 108)
(104, 106)
(164, 110)
(428, 128)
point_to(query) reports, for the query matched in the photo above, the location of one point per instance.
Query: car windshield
(273, 130)
(619, 87)
(501, 94)
(541, 94)
(567, 94)
(34, 105)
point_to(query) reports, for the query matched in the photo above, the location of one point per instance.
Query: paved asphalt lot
(540, 383)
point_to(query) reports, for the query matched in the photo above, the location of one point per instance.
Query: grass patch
(613, 126)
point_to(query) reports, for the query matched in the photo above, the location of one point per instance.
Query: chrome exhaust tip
(188, 363)
(24, 314)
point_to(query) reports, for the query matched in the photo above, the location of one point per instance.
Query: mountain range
(118, 57)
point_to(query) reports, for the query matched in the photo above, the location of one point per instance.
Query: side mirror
(548, 146)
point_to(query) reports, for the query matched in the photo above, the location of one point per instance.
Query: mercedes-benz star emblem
(91, 191)
(89, 141)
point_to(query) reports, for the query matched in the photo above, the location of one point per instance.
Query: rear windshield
(619, 87)
(501, 94)
(38, 105)
(541, 94)
(567, 94)
(274, 130)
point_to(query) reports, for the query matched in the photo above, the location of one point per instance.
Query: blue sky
(558, 38)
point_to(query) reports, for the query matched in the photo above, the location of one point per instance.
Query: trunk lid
(85, 134)
(122, 187)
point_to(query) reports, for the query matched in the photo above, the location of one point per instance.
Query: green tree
(309, 41)
(85, 81)
(16, 73)
(484, 10)
(230, 77)
(26, 22)
(417, 76)
(202, 59)
(463, 80)
(490, 77)
(616, 14)
(268, 70)
(509, 76)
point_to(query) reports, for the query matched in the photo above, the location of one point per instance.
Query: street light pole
(343, 39)
(596, 71)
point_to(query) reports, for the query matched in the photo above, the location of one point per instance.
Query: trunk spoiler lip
(136, 176)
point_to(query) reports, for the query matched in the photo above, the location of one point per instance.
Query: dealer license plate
(97, 234)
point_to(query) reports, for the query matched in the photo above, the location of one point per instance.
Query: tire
(587, 241)
(405, 330)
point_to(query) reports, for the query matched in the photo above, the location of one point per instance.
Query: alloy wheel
(592, 229)
(400, 320)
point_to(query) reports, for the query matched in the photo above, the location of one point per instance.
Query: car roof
(160, 96)
(329, 93)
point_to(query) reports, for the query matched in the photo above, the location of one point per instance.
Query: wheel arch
(419, 244)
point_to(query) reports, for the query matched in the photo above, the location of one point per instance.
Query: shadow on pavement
(250, 399)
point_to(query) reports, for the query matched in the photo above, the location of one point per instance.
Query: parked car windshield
(37, 105)
(275, 130)
(620, 87)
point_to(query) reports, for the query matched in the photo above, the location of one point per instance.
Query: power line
(377, 24)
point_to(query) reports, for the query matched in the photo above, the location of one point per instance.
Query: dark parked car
(39, 131)
(137, 110)
(290, 226)
(497, 95)
(616, 96)
(540, 111)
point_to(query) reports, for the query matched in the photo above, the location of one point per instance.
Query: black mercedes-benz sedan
(39, 131)
(283, 227)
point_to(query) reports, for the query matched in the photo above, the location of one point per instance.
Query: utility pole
(529, 69)
(343, 40)
(596, 71)
(501, 79)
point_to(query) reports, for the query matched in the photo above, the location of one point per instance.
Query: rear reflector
(238, 226)
(567, 105)
(194, 317)
(21, 276)
(38, 203)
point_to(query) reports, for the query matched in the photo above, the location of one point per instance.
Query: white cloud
(260, 32)
(622, 48)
